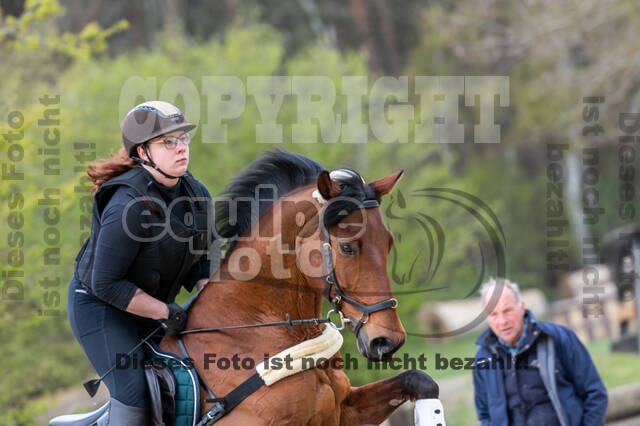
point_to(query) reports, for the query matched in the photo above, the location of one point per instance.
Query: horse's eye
(348, 248)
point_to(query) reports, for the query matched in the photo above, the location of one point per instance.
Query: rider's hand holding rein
(146, 306)
(176, 321)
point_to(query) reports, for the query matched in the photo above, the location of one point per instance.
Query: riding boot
(120, 414)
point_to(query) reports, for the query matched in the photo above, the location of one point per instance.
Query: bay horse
(275, 268)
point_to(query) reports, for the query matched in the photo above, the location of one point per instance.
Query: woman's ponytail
(103, 170)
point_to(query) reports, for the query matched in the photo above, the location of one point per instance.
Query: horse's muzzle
(379, 348)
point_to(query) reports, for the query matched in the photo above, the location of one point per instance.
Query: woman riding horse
(148, 238)
(299, 235)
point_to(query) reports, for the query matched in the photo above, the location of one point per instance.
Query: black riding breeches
(106, 334)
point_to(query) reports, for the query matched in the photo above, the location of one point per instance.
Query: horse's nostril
(381, 346)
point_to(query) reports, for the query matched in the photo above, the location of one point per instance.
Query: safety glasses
(171, 142)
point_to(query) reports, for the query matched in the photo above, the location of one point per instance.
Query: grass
(616, 369)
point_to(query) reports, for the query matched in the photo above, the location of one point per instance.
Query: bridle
(331, 282)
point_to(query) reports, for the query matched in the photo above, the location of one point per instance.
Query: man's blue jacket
(579, 389)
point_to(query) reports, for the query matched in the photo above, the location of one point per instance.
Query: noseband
(332, 282)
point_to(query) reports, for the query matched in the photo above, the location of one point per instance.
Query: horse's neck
(228, 302)
(278, 288)
(269, 296)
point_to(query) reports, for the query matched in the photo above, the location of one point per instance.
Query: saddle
(174, 393)
(174, 389)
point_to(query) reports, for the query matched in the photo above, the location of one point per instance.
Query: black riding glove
(176, 321)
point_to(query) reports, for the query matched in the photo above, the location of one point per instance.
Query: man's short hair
(489, 286)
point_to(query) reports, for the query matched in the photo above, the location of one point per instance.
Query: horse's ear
(328, 188)
(384, 186)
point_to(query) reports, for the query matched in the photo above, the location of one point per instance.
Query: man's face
(507, 318)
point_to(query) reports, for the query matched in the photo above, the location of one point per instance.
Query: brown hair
(103, 170)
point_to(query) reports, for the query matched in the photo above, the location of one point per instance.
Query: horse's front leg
(374, 403)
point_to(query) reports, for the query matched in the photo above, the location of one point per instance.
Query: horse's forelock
(354, 192)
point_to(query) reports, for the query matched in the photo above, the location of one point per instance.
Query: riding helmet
(149, 120)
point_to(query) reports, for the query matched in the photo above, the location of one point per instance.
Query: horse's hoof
(419, 385)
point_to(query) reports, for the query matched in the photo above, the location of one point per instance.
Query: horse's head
(356, 248)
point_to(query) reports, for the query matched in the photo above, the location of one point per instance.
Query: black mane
(281, 172)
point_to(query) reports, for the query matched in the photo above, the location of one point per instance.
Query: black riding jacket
(141, 237)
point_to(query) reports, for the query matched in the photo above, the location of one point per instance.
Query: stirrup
(99, 417)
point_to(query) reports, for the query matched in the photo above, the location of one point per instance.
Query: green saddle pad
(187, 386)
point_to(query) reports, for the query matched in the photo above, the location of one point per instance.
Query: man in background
(532, 373)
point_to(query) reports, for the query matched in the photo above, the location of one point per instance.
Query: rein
(290, 323)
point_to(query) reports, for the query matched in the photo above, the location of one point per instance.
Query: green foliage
(35, 30)
(40, 53)
(38, 346)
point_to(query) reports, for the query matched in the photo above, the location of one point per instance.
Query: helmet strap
(150, 163)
